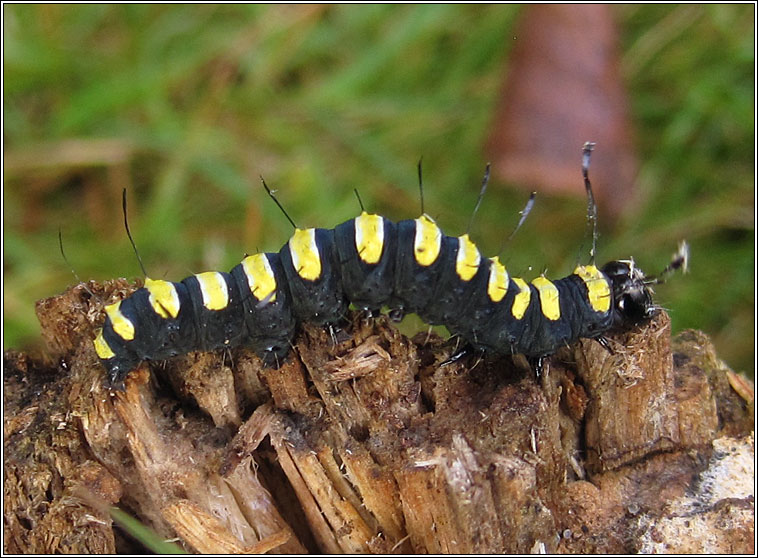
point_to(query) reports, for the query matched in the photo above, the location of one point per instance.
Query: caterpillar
(409, 266)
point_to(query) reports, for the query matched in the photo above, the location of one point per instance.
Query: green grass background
(323, 99)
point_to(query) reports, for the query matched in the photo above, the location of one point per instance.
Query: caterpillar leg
(273, 357)
(397, 315)
(537, 364)
(605, 344)
(462, 352)
(118, 369)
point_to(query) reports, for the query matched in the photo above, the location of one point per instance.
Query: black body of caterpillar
(409, 266)
(371, 262)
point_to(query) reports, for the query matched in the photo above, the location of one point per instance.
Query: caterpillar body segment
(311, 268)
(366, 253)
(266, 305)
(417, 265)
(461, 275)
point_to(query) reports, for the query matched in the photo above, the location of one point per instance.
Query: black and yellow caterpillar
(371, 262)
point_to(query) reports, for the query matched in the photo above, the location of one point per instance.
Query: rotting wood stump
(368, 444)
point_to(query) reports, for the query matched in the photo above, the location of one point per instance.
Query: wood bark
(364, 441)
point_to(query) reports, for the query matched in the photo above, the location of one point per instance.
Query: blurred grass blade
(143, 534)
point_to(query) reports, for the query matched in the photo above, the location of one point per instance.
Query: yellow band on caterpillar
(305, 257)
(521, 300)
(260, 277)
(122, 325)
(468, 258)
(598, 289)
(428, 241)
(369, 237)
(102, 348)
(214, 290)
(549, 298)
(163, 297)
(497, 286)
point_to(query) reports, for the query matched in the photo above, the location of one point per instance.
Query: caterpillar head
(632, 291)
(632, 297)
